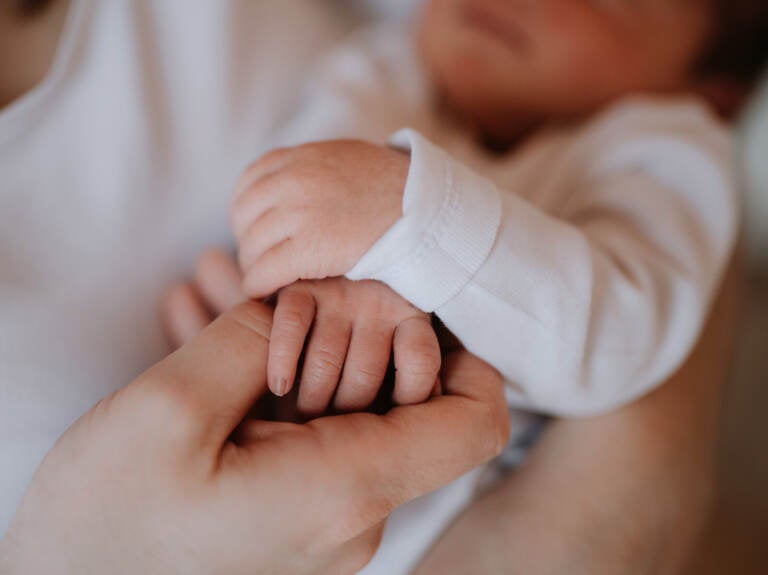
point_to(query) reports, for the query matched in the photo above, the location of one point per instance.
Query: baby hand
(312, 211)
(355, 328)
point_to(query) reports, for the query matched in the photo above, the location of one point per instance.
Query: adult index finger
(206, 388)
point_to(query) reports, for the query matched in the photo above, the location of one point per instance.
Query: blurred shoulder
(654, 120)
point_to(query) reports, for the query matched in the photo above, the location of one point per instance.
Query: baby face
(508, 64)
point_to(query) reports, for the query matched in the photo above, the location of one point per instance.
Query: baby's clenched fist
(312, 211)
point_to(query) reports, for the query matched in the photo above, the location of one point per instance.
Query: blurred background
(736, 541)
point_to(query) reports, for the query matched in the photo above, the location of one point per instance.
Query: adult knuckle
(254, 318)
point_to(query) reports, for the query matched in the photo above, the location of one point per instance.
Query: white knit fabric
(116, 173)
(588, 300)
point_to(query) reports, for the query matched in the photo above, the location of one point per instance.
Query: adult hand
(165, 477)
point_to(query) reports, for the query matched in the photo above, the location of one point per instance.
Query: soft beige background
(736, 542)
(754, 152)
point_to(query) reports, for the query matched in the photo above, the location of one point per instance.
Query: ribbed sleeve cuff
(451, 217)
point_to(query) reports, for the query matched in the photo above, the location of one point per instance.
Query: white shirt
(116, 172)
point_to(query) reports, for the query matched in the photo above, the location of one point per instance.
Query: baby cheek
(578, 42)
(596, 68)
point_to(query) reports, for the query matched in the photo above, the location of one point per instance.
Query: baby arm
(347, 332)
(584, 306)
(615, 289)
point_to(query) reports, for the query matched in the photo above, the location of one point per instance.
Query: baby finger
(323, 363)
(365, 367)
(417, 360)
(292, 321)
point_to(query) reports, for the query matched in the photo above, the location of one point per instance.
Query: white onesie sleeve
(580, 312)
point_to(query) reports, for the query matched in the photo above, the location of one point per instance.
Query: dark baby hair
(738, 49)
(29, 8)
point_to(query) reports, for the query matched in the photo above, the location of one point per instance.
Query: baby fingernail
(281, 387)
